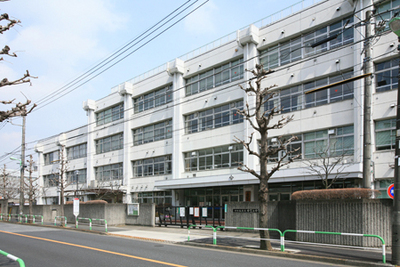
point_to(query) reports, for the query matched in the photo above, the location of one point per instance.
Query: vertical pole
(367, 152)
(396, 200)
(22, 164)
(214, 236)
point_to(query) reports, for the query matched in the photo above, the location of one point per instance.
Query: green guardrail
(18, 216)
(338, 233)
(60, 217)
(259, 229)
(205, 226)
(100, 220)
(14, 258)
(34, 218)
(87, 219)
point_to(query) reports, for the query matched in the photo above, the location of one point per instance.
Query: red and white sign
(390, 191)
(76, 207)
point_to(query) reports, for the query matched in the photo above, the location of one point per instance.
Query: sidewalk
(248, 242)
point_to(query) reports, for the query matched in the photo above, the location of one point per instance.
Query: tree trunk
(265, 243)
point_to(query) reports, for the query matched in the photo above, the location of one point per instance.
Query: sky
(58, 41)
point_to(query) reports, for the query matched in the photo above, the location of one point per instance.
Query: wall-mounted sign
(246, 210)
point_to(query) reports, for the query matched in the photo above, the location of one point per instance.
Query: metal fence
(186, 216)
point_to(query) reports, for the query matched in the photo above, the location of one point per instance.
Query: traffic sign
(390, 191)
(76, 207)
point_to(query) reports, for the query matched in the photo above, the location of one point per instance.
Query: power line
(307, 59)
(63, 92)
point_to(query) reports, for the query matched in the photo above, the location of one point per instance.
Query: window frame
(110, 114)
(213, 118)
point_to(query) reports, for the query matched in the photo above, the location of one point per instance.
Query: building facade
(168, 136)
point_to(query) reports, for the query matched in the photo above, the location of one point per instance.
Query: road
(43, 246)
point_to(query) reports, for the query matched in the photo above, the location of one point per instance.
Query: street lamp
(394, 25)
(21, 185)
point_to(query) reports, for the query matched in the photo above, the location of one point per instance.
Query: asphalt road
(42, 247)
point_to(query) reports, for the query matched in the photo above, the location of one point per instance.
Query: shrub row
(88, 202)
(346, 193)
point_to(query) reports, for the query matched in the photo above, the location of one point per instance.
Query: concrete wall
(114, 213)
(147, 215)
(367, 216)
(363, 216)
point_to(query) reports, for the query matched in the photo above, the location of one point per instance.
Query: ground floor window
(213, 196)
(161, 197)
(283, 191)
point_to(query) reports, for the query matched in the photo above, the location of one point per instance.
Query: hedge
(346, 193)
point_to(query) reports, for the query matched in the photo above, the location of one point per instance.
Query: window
(151, 133)
(330, 143)
(159, 197)
(153, 166)
(78, 151)
(214, 158)
(109, 115)
(297, 97)
(110, 143)
(385, 12)
(386, 75)
(51, 158)
(50, 180)
(295, 144)
(214, 117)
(329, 95)
(153, 99)
(109, 172)
(293, 50)
(385, 134)
(226, 73)
(79, 175)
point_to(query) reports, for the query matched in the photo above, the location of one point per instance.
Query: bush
(99, 201)
(346, 193)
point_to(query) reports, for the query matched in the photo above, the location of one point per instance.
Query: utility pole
(367, 151)
(22, 165)
(396, 200)
(394, 25)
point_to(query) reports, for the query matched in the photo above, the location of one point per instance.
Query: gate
(186, 216)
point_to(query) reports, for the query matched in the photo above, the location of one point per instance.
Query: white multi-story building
(168, 136)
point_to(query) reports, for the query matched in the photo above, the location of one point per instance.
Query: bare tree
(20, 109)
(262, 122)
(32, 187)
(106, 190)
(9, 185)
(328, 164)
(61, 174)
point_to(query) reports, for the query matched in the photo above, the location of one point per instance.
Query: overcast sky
(60, 40)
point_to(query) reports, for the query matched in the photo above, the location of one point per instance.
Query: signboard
(133, 209)
(246, 210)
(196, 212)
(204, 212)
(76, 207)
(390, 191)
(182, 211)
